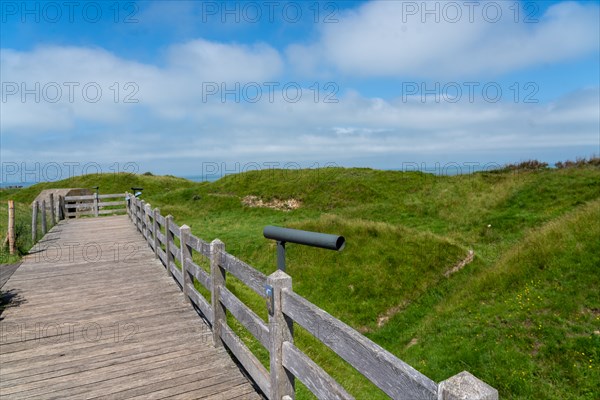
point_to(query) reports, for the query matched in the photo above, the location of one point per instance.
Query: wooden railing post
(466, 386)
(136, 210)
(155, 214)
(136, 218)
(168, 243)
(281, 330)
(96, 210)
(52, 214)
(217, 275)
(147, 211)
(127, 205)
(62, 212)
(11, 227)
(34, 214)
(44, 226)
(143, 217)
(186, 254)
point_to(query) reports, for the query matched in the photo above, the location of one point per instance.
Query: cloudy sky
(190, 87)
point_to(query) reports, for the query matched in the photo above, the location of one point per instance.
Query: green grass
(523, 316)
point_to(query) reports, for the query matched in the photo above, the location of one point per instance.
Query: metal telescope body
(314, 239)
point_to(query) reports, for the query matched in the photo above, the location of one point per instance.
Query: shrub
(529, 165)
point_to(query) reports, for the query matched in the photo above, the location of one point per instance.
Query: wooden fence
(48, 214)
(287, 362)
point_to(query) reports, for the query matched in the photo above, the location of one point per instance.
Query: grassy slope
(519, 316)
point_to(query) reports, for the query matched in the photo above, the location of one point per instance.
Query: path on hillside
(93, 314)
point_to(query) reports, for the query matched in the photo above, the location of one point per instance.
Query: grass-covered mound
(520, 312)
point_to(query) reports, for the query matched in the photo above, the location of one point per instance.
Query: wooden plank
(162, 256)
(200, 302)
(142, 340)
(199, 245)
(252, 322)
(281, 329)
(173, 227)
(218, 279)
(392, 375)
(161, 220)
(176, 273)
(251, 277)
(161, 237)
(89, 197)
(113, 211)
(44, 220)
(112, 203)
(80, 206)
(175, 251)
(201, 275)
(312, 375)
(34, 217)
(251, 364)
(111, 196)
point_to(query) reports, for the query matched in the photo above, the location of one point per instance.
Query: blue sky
(173, 86)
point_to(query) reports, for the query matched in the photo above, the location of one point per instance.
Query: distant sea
(436, 170)
(16, 184)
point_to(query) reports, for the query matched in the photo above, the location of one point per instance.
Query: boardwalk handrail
(287, 362)
(76, 206)
(73, 207)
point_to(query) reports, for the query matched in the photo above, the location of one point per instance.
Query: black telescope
(314, 239)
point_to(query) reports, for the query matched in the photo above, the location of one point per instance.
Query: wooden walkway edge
(92, 314)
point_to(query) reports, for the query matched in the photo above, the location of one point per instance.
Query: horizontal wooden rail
(78, 206)
(92, 197)
(287, 362)
(252, 322)
(392, 375)
(254, 279)
(314, 377)
(255, 369)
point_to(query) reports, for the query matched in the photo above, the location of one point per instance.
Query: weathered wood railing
(95, 204)
(73, 206)
(287, 362)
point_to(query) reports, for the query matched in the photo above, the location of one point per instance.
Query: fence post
(185, 255)
(466, 386)
(168, 240)
(44, 226)
(155, 214)
(136, 211)
(96, 211)
(143, 217)
(61, 208)
(52, 214)
(147, 210)
(281, 330)
(217, 277)
(34, 214)
(11, 227)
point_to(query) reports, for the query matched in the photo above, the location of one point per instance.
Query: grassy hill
(522, 311)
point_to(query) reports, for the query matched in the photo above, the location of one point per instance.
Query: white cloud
(53, 87)
(174, 120)
(391, 39)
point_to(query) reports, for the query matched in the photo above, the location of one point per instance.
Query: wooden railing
(287, 362)
(48, 214)
(94, 204)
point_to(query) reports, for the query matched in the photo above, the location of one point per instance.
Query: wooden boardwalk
(95, 315)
